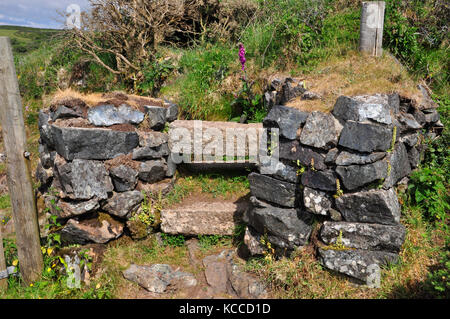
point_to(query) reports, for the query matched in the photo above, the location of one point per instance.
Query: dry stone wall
(95, 161)
(341, 168)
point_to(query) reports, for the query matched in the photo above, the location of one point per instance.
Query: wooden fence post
(371, 28)
(18, 168)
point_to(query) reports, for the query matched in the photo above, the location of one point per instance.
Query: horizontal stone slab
(92, 143)
(287, 119)
(355, 263)
(91, 230)
(365, 136)
(203, 218)
(374, 206)
(364, 236)
(123, 204)
(360, 108)
(301, 155)
(323, 180)
(355, 176)
(273, 190)
(107, 115)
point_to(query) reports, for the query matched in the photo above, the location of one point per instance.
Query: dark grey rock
(394, 102)
(253, 242)
(308, 95)
(398, 165)
(316, 202)
(44, 176)
(355, 176)
(321, 131)
(107, 115)
(355, 263)
(44, 128)
(123, 204)
(153, 171)
(89, 143)
(293, 151)
(69, 208)
(124, 178)
(365, 137)
(172, 111)
(171, 166)
(364, 236)
(148, 152)
(152, 139)
(414, 157)
(286, 173)
(335, 215)
(82, 179)
(419, 116)
(427, 102)
(285, 228)
(347, 158)
(64, 112)
(408, 122)
(287, 119)
(156, 117)
(273, 190)
(291, 88)
(360, 108)
(323, 180)
(331, 156)
(46, 156)
(374, 206)
(410, 140)
(432, 116)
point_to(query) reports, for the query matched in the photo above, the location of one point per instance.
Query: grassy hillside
(25, 39)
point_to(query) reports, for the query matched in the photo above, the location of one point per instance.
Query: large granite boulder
(355, 263)
(123, 204)
(355, 176)
(273, 190)
(365, 136)
(364, 236)
(287, 119)
(92, 143)
(321, 131)
(374, 206)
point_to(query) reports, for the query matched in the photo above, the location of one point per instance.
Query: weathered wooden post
(18, 168)
(371, 28)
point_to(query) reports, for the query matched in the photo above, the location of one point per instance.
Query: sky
(36, 13)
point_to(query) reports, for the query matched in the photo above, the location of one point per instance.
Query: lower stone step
(203, 218)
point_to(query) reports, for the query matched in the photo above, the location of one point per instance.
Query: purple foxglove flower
(242, 56)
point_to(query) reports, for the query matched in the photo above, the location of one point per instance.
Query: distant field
(25, 39)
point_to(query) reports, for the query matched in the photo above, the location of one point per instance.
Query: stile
(18, 168)
(371, 28)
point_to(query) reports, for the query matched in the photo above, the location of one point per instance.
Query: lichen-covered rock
(408, 122)
(321, 131)
(316, 201)
(91, 230)
(285, 227)
(323, 180)
(273, 190)
(347, 158)
(172, 111)
(365, 136)
(123, 204)
(285, 172)
(374, 206)
(82, 179)
(364, 236)
(355, 176)
(71, 208)
(124, 178)
(156, 278)
(152, 138)
(107, 115)
(92, 143)
(398, 165)
(410, 140)
(414, 157)
(46, 156)
(287, 119)
(44, 176)
(45, 128)
(293, 151)
(431, 116)
(149, 152)
(331, 156)
(152, 171)
(355, 263)
(360, 108)
(156, 116)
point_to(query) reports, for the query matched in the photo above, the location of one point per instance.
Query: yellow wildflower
(15, 262)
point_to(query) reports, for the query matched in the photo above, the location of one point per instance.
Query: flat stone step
(203, 218)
